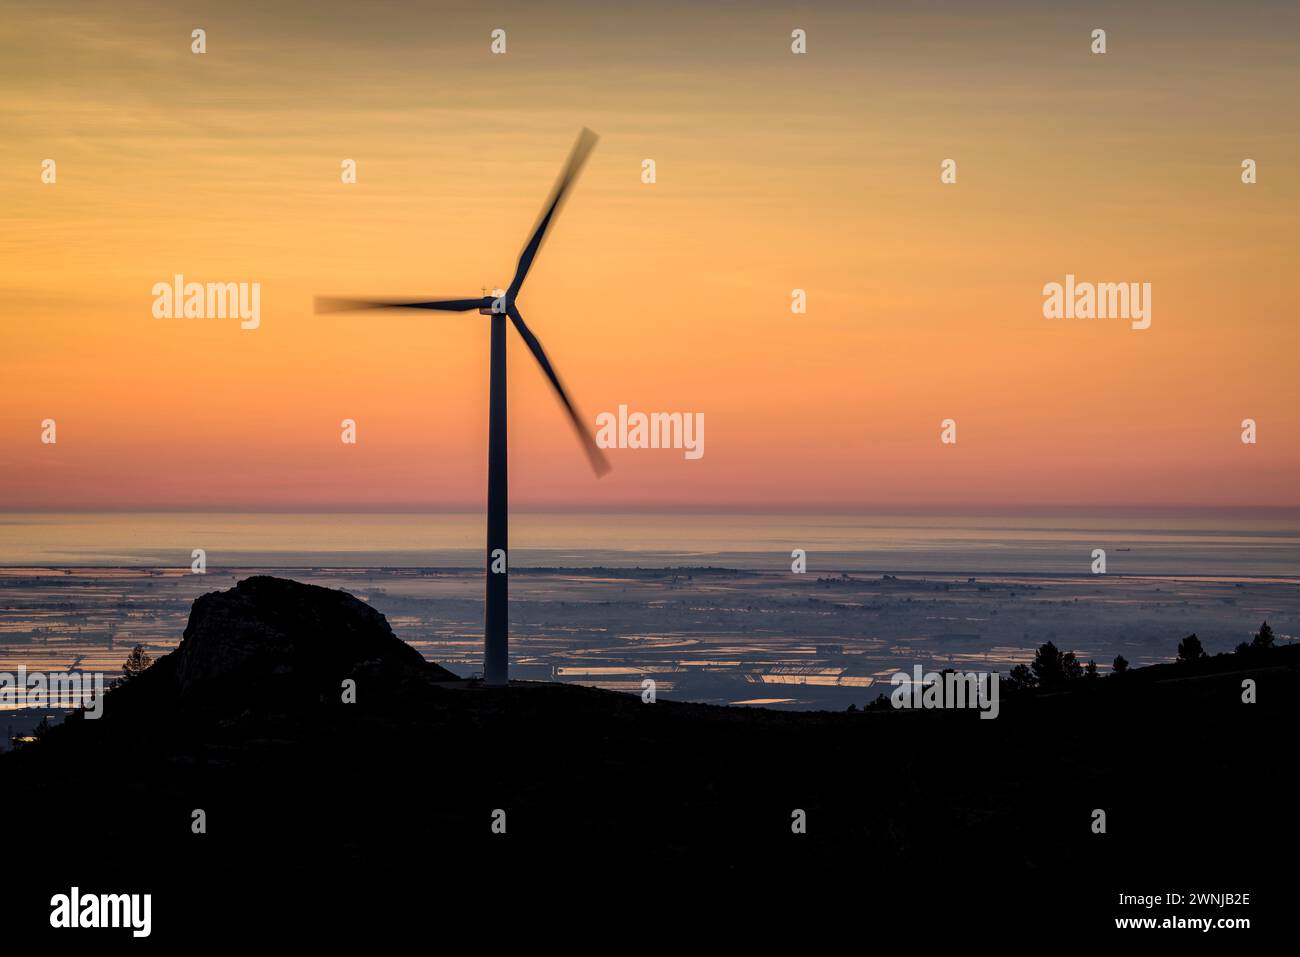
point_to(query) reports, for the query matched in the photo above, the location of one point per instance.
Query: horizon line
(821, 508)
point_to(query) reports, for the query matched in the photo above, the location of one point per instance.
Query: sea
(1208, 543)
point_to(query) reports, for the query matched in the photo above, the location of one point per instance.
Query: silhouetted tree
(1053, 669)
(1189, 649)
(1091, 670)
(1070, 665)
(1261, 641)
(42, 729)
(1120, 665)
(1021, 679)
(136, 663)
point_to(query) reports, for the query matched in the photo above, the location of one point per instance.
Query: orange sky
(774, 172)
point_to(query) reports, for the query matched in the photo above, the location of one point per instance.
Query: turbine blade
(577, 159)
(334, 304)
(598, 461)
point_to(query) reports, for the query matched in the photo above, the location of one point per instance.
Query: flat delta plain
(705, 634)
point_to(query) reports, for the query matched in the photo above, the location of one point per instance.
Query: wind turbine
(496, 661)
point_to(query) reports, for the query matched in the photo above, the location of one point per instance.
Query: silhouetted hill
(614, 806)
(270, 641)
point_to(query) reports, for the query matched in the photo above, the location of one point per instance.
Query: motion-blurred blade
(577, 159)
(333, 304)
(598, 461)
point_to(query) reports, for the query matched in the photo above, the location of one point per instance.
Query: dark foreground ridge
(330, 815)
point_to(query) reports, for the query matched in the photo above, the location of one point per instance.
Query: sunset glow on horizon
(774, 173)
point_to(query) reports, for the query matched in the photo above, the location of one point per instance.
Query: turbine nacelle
(497, 304)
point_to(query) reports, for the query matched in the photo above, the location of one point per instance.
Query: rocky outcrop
(272, 627)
